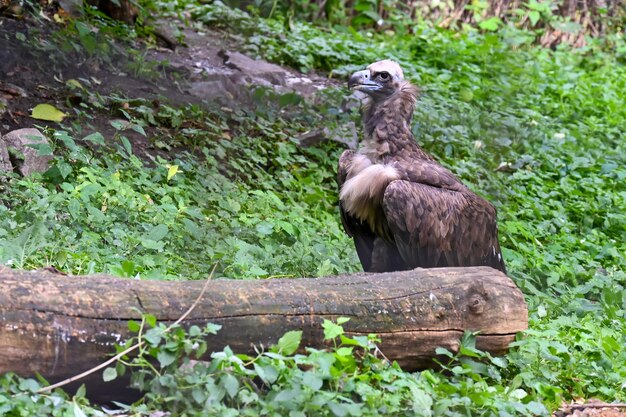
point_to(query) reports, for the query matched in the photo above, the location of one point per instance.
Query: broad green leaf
(534, 17)
(466, 94)
(257, 271)
(78, 412)
(151, 320)
(264, 228)
(81, 391)
(288, 344)
(267, 373)
(72, 83)
(109, 374)
(29, 384)
(157, 233)
(95, 137)
(133, 326)
(171, 171)
(344, 351)
(138, 128)
(212, 328)
(230, 384)
(422, 402)
(154, 336)
(82, 28)
(119, 124)
(47, 112)
(490, 24)
(518, 394)
(192, 228)
(443, 352)
(127, 146)
(165, 358)
(331, 330)
(199, 395)
(311, 380)
(64, 168)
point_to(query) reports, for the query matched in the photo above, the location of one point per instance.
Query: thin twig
(133, 347)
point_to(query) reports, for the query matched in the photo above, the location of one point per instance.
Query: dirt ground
(592, 408)
(206, 70)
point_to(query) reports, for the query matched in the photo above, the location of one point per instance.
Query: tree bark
(59, 326)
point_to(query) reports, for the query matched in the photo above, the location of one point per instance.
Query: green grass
(537, 132)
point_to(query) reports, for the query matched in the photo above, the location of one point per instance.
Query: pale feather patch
(362, 194)
(358, 164)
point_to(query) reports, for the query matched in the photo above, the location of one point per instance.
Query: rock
(353, 101)
(313, 137)
(123, 10)
(74, 8)
(254, 69)
(28, 158)
(345, 134)
(165, 34)
(221, 89)
(5, 162)
(4, 105)
(12, 90)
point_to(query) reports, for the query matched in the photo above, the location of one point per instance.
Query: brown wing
(437, 227)
(375, 254)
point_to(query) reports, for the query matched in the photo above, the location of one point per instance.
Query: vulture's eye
(384, 76)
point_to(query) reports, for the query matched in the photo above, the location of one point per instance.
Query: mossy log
(59, 326)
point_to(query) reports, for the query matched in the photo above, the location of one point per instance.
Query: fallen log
(59, 326)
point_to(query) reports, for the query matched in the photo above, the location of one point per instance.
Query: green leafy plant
(348, 378)
(538, 132)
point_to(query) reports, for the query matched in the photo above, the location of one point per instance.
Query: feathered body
(400, 206)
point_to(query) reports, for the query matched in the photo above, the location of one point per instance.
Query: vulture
(400, 206)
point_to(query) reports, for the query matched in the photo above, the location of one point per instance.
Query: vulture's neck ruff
(387, 109)
(395, 110)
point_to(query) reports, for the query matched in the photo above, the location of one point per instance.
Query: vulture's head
(379, 81)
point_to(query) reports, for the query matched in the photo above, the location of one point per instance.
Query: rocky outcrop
(5, 162)
(22, 145)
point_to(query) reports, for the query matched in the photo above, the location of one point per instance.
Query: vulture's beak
(361, 81)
